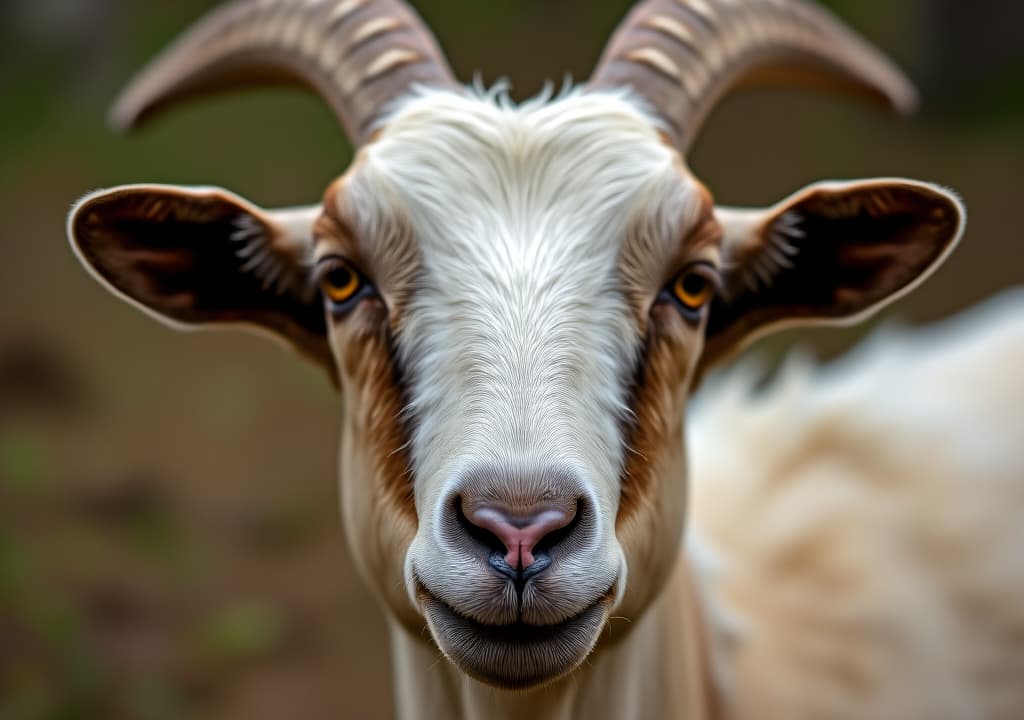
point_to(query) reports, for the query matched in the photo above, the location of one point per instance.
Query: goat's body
(868, 525)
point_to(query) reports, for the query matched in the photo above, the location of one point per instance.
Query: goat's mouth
(518, 656)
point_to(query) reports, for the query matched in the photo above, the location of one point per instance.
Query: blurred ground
(169, 541)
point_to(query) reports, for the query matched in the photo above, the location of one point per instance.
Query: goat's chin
(517, 656)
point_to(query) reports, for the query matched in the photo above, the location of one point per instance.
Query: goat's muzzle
(519, 577)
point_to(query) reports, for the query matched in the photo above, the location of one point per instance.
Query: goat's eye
(340, 282)
(694, 288)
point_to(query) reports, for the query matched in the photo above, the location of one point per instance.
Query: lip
(516, 656)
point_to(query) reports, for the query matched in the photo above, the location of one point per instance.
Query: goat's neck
(661, 669)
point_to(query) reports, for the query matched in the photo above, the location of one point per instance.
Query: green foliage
(245, 631)
(26, 464)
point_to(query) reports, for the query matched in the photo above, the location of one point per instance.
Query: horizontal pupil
(339, 278)
(694, 285)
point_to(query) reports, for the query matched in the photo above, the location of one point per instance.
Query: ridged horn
(682, 56)
(357, 54)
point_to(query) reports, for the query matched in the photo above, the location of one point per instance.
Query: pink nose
(519, 532)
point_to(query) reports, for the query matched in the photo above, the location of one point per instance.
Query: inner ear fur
(204, 257)
(834, 253)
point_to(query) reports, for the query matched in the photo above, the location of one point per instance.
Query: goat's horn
(357, 54)
(682, 56)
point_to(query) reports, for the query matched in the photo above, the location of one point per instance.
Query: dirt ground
(175, 551)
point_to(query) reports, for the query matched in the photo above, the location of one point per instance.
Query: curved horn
(684, 55)
(357, 54)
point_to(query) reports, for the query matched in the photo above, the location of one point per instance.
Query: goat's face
(515, 302)
(515, 377)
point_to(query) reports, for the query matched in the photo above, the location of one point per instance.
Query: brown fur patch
(670, 349)
(376, 476)
(366, 354)
(657, 423)
(368, 364)
(652, 503)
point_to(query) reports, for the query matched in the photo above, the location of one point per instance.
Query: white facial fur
(519, 343)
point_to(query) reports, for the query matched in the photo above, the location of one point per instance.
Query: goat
(515, 303)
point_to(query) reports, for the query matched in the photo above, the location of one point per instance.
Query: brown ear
(201, 257)
(832, 253)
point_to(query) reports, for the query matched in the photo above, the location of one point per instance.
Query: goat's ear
(201, 257)
(832, 254)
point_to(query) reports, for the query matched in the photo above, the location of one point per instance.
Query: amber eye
(340, 283)
(694, 288)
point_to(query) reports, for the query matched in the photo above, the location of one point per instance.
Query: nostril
(520, 534)
(483, 536)
(557, 537)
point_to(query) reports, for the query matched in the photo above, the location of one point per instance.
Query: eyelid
(706, 268)
(327, 263)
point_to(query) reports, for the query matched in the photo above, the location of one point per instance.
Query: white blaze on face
(519, 345)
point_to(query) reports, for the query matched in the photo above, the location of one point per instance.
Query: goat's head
(515, 301)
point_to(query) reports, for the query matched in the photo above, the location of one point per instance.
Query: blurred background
(169, 539)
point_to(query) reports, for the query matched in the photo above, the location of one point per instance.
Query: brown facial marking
(653, 481)
(652, 500)
(366, 358)
(367, 362)
(659, 395)
(376, 476)
(666, 360)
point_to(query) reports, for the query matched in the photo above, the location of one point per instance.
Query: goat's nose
(519, 532)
